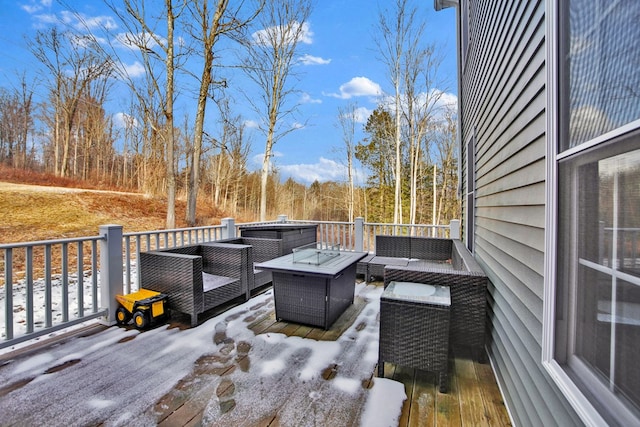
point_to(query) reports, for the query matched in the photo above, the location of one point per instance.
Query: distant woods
(178, 133)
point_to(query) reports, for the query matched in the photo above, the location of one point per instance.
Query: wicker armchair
(468, 301)
(198, 277)
(263, 249)
(463, 275)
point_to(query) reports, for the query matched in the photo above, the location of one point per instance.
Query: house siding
(503, 101)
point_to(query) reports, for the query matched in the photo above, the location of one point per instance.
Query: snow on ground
(20, 302)
(116, 377)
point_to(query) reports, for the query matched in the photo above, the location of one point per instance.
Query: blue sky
(342, 67)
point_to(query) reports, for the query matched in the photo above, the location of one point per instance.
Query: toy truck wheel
(122, 316)
(140, 319)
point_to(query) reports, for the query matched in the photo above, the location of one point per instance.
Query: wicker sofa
(449, 263)
(199, 277)
(262, 249)
(404, 251)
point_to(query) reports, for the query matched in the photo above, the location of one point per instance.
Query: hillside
(37, 212)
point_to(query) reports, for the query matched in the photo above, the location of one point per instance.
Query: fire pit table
(313, 285)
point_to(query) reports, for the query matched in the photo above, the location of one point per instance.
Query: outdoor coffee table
(414, 328)
(313, 285)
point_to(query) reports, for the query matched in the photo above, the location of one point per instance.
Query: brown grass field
(41, 207)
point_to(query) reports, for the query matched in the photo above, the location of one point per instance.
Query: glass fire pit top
(315, 253)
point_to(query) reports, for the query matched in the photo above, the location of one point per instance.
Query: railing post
(110, 269)
(359, 231)
(454, 229)
(282, 218)
(229, 230)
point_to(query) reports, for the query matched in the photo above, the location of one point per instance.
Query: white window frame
(581, 404)
(470, 196)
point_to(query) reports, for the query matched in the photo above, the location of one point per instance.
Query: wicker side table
(414, 328)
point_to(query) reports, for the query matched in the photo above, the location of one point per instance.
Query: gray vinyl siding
(503, 103)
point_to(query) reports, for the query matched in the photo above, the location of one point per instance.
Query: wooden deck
(229, 387)
(473, 398)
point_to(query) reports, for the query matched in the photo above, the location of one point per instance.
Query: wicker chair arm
(177, 275)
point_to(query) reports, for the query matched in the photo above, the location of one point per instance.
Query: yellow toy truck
(144, 307)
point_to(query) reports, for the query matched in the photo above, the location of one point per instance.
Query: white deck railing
(70, 272)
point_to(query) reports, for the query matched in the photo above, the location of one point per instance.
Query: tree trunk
(171, 174)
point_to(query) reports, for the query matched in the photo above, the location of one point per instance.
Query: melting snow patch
(100, 403)
(272, 367)
(384, 403)
(348, 385)
(34, 364)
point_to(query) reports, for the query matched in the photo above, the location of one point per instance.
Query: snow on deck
(118, 376)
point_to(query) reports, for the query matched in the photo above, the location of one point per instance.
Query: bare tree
(413, 72)
(209, 25)
(270, 60)
(448, 204)
(421, 107)
(347, 119)
(391, 40)
(16, 123)
(74, 63)
(153, 48)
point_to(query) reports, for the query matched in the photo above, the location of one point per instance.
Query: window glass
(598, 300)
(601, 67)
(597, 318)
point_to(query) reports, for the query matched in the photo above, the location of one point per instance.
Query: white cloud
(304, 34)
(124, 120)
(435, 102)
(97, 22)
(358, 86)
(359, 115)
(313, 60)
(259, 158)
(362, 114)
(133, 41)
(36, 6)
(323, 170)
(78, 21)
(46, 19)
(306, 173)
(134, 70)
(252, 124)
(447, 99)
(307, 99)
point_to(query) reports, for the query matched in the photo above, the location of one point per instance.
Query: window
(471, 191)
(593, 325)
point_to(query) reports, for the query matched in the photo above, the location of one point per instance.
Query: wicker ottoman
(414, 328)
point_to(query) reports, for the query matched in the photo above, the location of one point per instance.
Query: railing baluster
(47, 287)
(94, 275)
(65, 282)
(127, 264)
(138, 259)
(29, 287)
(8, 293)
(37, 318)
(80, 284)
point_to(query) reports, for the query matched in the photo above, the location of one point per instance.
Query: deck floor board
(473, 398)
